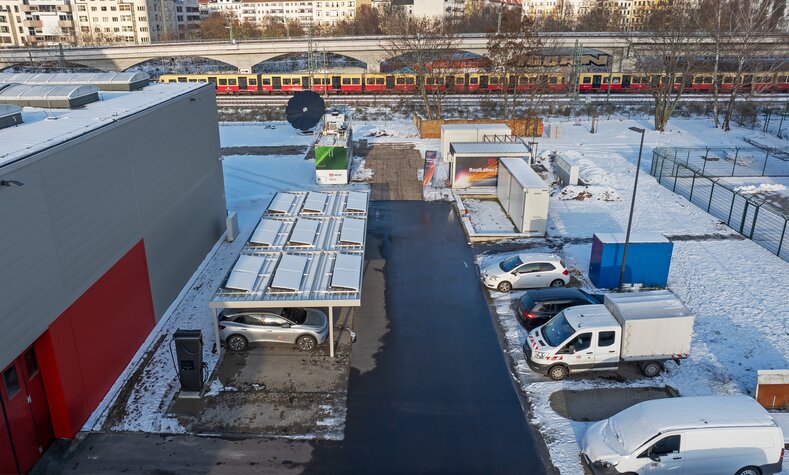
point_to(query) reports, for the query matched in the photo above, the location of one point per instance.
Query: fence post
(766, 157)
(712, 192)
(744, 214)
(687, 159)
(704, 165)
(753, 224)
(676, 176)
(731, 208)
(736, 154)
(692, 184)
(781, 241)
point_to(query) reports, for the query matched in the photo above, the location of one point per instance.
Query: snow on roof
(37, 134)
(104, 81)
(639, 237)
(586, 316)
(638, 424)
(489, 148)
(458, 127)
(523, 173)
(647, 305)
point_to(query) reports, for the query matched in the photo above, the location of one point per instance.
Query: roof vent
(10, 115)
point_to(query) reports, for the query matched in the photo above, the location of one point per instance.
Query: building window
(144, 28)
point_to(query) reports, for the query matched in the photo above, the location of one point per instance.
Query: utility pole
(576, 68)
(61, 56)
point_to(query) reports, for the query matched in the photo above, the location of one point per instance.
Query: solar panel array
(308, 249)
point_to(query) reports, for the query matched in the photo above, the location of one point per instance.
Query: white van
(709, 435)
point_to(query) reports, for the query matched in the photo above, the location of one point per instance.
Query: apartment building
(134, 21)
(35, 22)
(430, 8)
(318, 12)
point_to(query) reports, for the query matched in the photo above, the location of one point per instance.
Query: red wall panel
(88, 346)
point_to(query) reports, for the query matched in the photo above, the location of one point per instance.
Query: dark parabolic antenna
(305, 110)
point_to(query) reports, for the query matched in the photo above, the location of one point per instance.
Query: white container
(523, 195)
(456, 133)
(654, 324)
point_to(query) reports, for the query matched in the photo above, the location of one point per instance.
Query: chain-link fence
(699, 174)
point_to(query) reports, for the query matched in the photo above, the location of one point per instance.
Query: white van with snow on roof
(707, 435)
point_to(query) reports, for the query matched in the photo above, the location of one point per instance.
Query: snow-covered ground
(268, 134)
(487, 216)
(738, 290)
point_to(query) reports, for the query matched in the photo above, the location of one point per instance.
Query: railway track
(466, 99)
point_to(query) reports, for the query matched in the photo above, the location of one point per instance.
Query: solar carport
(306, 251)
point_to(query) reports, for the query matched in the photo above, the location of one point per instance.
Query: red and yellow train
(478, 82)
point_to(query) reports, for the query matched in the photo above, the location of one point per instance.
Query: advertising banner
(475, 171)
(430, 167)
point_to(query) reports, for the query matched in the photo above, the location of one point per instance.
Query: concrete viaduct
(368, 49)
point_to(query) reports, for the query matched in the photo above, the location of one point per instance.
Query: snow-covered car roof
(637, 424)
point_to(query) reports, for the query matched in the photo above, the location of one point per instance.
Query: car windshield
(557, 330)
(510, 263)
(295, 315)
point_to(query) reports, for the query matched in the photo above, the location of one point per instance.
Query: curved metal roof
(104, 81)
(65, 96)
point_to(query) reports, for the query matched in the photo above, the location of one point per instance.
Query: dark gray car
(536, 307)
(304, 327)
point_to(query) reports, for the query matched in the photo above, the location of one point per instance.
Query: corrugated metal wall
(154, 176)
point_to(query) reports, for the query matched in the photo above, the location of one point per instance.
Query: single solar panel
(282, 202)
(245, 273)
(266, 232)
(315, 202)
(304, 231)
(289, 272)
(357, 201)
(352, 231)
(347, 272)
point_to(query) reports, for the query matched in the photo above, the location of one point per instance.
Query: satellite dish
(305, 110)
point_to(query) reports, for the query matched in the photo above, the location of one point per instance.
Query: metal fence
(699, 174)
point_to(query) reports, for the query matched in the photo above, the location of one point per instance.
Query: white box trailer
(468, 133)
(655, 325)
(523, 195)
(645, 328)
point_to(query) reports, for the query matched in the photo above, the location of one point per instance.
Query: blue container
(648, 259)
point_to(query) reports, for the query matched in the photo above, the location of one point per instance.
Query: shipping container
(648, 259)
(523, 195)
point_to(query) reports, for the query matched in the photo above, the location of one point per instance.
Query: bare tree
(512, 50)
(428, 48)
(668, 55)
(711, 17)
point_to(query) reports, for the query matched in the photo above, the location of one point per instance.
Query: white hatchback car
(526, 271)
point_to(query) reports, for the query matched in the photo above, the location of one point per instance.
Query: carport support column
(331, 332)
(215, 319)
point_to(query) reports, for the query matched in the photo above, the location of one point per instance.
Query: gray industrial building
(106, 212)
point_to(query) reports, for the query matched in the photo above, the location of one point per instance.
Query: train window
(409, 81)
(605, 80)
(379, 81)
(587, 80)
(356, 81)
(346, 81)
(460, 80)
(430, 81)
(222, 82)
(317, 81)
(617, 80)
(780, 78)
(296, 81)
(728, 79)
(172, 80)
(232, 82)
(182, 79)
(400, 80)
(473, 80)
(554, 80)
(192, 80)
(253, 82)
(370, 81)
(212, 79)
(493, 80)
(266, 81)
(286, 81)
(708, 80)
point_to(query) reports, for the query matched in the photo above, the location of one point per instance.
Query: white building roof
(637, 424)
(493, 149)
(44, 128)
(639, 237)
(523, 173)
(307, 250)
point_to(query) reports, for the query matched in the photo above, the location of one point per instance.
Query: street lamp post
(632, 206)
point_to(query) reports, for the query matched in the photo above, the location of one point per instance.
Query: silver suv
(304, 327)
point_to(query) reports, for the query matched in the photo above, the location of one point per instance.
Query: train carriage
(351, 83)
(405, 83)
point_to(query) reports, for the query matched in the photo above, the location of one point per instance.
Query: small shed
(476, 164)
(523, 195)
(468, 133)
(648, 259)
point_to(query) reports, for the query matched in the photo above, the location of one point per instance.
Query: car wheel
(237, 343)
(558, 372)
(557, 283)
(749, 471)
(651, 369)
(505, 287)
(306, 343)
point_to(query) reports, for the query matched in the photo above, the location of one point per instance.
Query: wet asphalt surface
(439, 397)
